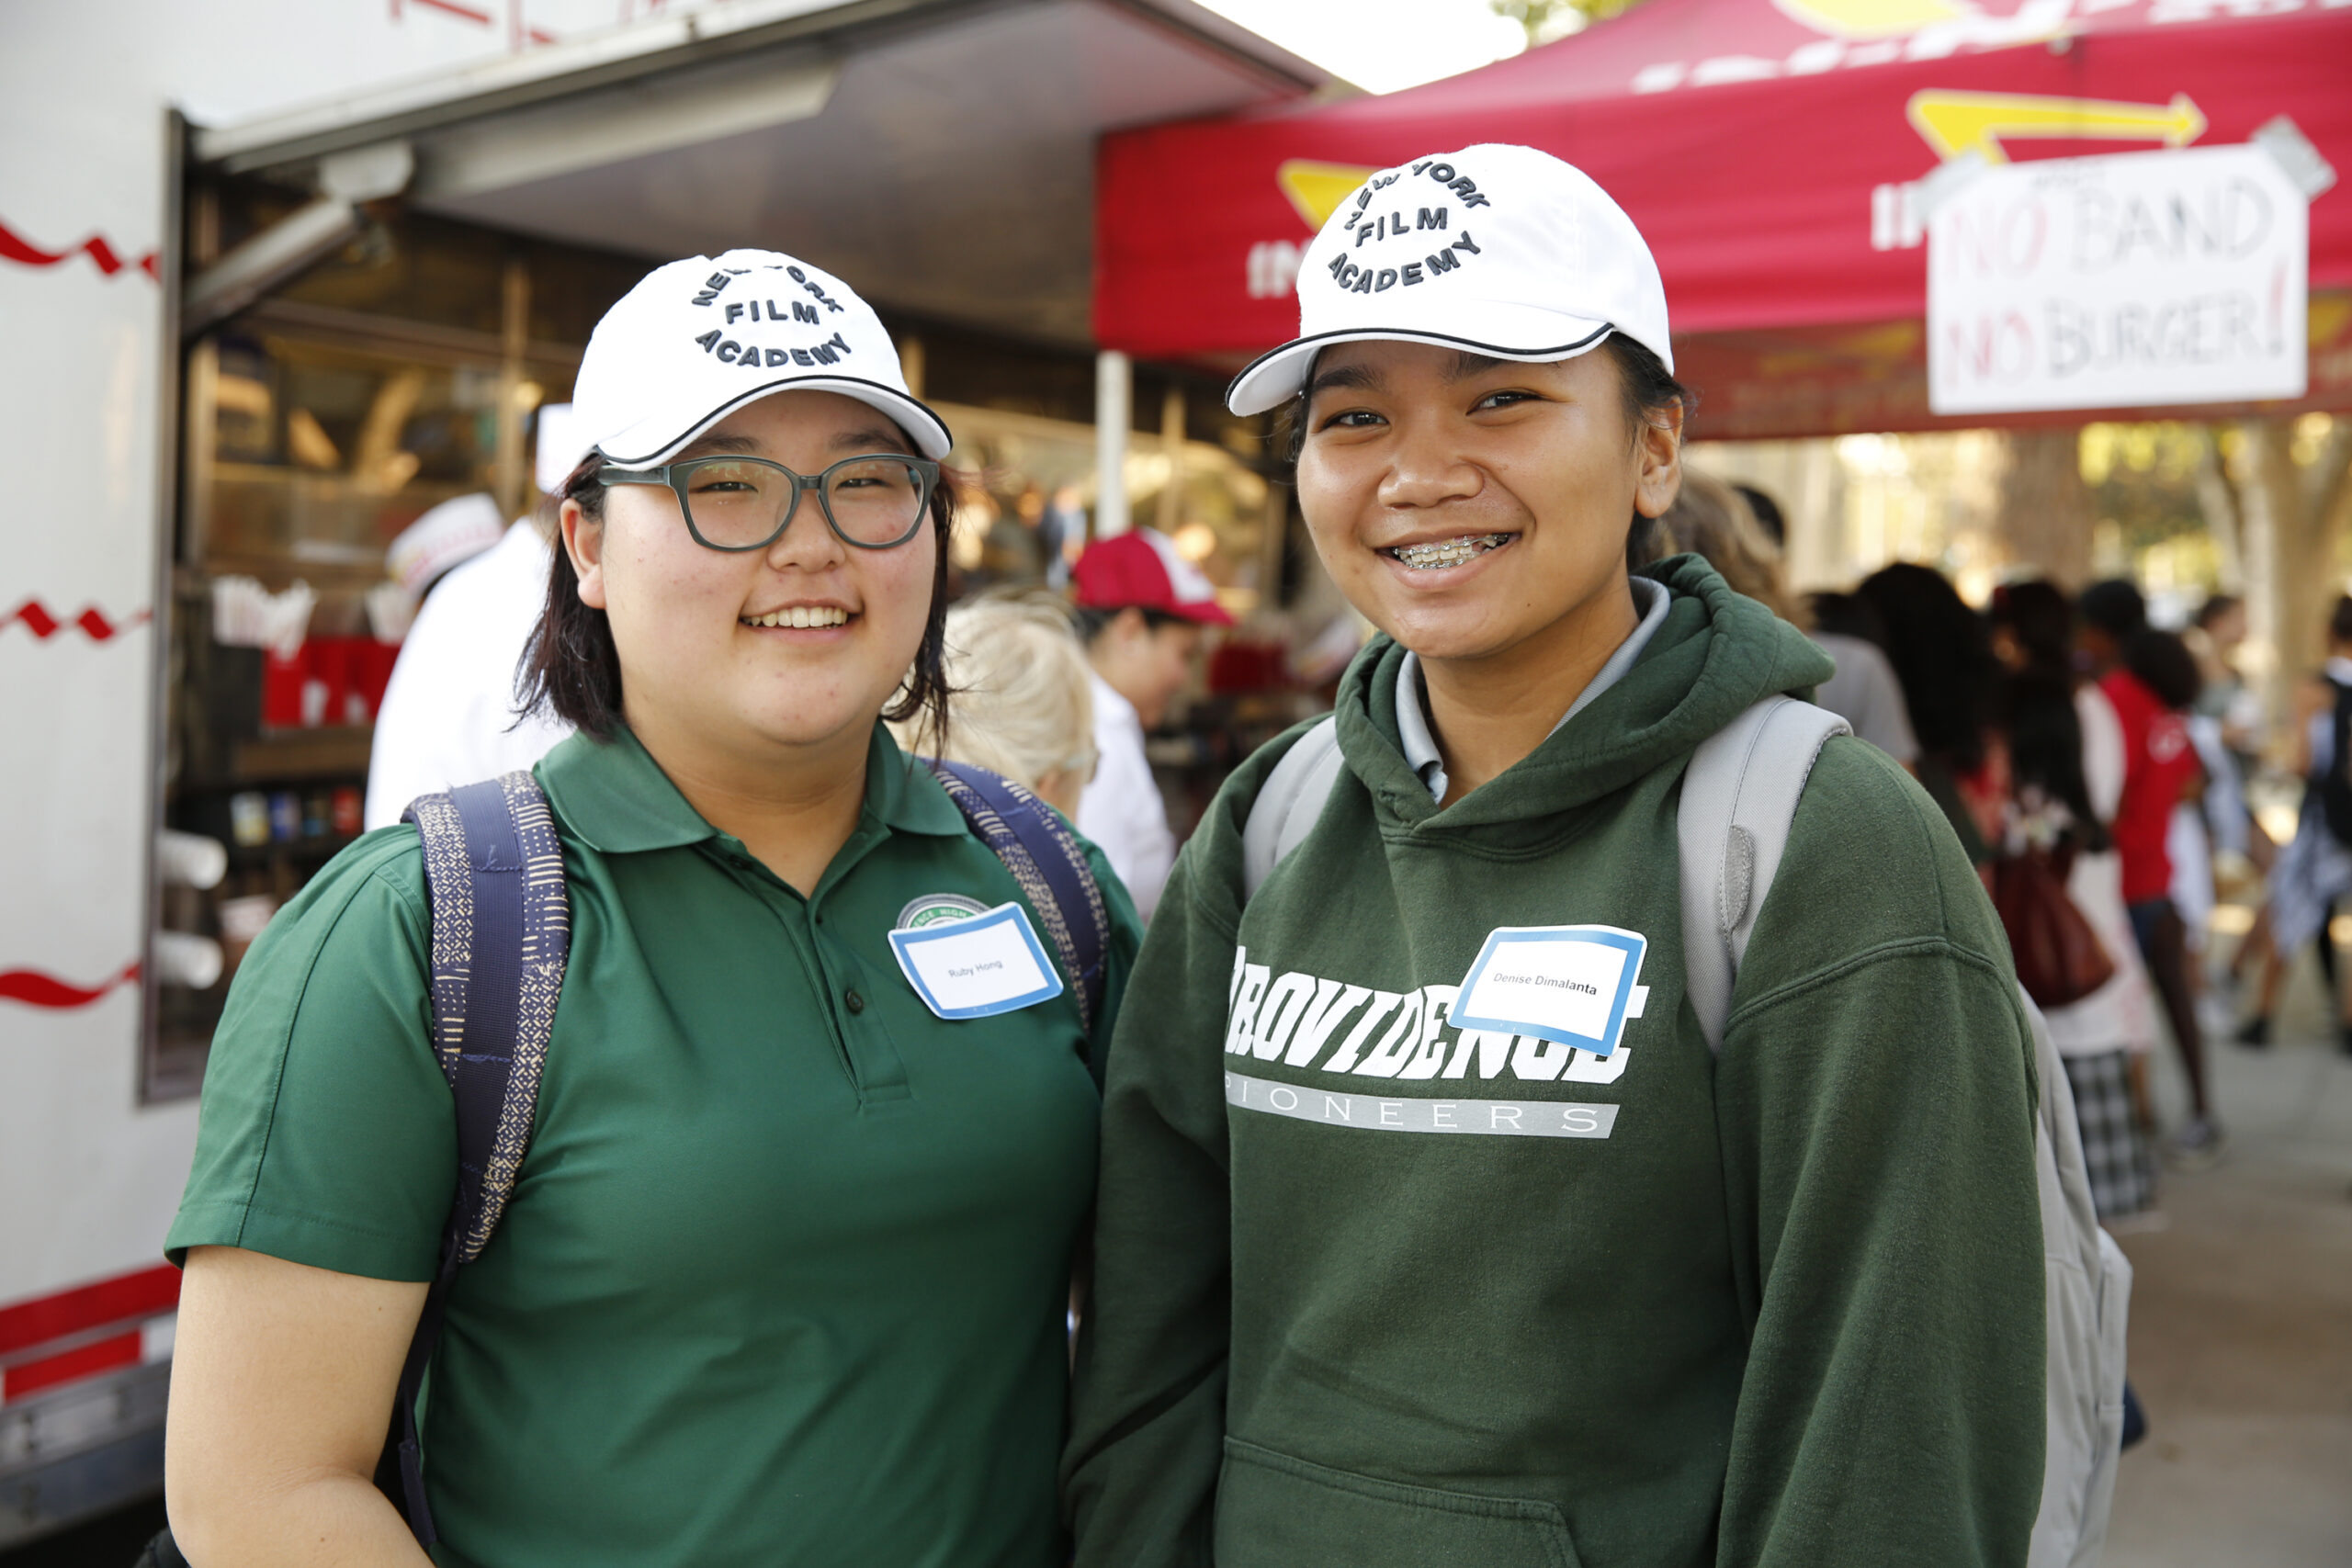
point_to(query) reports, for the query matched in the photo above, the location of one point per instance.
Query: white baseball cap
(558, 448)
(448, 536)
(1503, 251)
(697, 339)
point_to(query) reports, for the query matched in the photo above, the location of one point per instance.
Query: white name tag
(1577, 985)
(978, 968)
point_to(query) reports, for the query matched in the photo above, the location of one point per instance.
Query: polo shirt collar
(904, 793)
(615, 799)
(1419, 745)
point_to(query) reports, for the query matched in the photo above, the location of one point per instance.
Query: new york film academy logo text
(792, 312)
(1392, 223)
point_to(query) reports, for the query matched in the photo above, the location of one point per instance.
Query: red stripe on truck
(126, 1296)
(14, 247)
(35, 989)
(86, 1361)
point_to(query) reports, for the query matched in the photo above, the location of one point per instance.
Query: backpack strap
(1289, 802)
(1047, 862)
(502, 931)
(2333, 787)
(1739, 795)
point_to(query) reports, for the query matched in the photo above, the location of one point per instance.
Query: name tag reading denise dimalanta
(977, 968)
(1577, 985)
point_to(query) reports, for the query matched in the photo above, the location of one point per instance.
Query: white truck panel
(89, 1179)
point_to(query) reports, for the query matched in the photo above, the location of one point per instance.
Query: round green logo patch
(933, 908)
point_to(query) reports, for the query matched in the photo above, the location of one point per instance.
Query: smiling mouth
(800, 616)
(1439, 554)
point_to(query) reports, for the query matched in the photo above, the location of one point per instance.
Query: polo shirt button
(856, 1003)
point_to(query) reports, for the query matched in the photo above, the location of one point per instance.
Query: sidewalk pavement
(2241, 1346)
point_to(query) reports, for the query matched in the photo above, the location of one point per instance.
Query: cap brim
(1272, 379)
(1202, 611)
(658, 438)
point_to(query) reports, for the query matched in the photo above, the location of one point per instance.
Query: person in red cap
(1140, 607)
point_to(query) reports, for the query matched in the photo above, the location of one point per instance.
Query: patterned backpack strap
(1045, 860)
(501, 930)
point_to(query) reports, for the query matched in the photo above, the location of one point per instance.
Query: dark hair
(2115, 607)
(572, 671)
(1849, 615)
(2037, 704)
(1944, 657)
(2215, 608)
(2039, 617)
(2339, 619)
(1768, 513)
(2165, 666)
(1093, 620)
(1647, 388)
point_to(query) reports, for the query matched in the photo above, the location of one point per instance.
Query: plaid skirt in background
(2116, 1153)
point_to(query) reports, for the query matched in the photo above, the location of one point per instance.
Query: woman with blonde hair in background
(1712, 521)
(1021, 703)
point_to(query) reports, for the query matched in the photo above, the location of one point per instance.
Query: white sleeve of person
(1739, 798)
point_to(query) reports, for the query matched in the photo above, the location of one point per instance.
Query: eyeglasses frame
(672, 478)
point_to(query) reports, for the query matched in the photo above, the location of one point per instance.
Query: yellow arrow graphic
(1957, 123)
(1317, 189)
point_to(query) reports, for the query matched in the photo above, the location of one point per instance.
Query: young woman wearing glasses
(784, 1274)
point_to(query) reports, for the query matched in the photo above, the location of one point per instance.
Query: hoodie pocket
(1273, 1511)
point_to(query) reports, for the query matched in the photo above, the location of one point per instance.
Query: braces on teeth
(1449, 552)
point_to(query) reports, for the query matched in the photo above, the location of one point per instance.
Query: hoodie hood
(1717, 653)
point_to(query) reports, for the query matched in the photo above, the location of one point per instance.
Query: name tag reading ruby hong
(977, 968)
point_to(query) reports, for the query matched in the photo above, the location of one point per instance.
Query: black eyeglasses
(746, 504)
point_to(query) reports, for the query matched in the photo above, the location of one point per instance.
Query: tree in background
(2268, 499)
(2043, 511)
(2285, 503)
(1547, 22)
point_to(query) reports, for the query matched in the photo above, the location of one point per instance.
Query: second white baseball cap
(1499, 249)
(697, 339)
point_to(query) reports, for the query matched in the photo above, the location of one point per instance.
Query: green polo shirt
(784, 1274)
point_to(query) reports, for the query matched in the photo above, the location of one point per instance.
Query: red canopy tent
(1767, 148)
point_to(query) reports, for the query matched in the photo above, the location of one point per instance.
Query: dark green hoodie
(1781, 1307)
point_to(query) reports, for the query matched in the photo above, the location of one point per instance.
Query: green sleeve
(327, 1135)
(1148, 1424)
(1877, 1111)
(1118, 961)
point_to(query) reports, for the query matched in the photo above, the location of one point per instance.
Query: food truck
(276, 279)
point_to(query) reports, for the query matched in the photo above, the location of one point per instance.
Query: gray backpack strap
(1740, 794)
(1288, 803)
(2088, 1299)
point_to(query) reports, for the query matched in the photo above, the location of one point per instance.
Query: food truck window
(316, 426)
